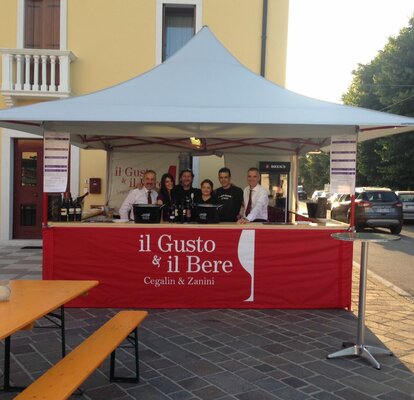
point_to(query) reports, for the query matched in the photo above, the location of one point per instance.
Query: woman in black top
(165, 194)
(207, 196)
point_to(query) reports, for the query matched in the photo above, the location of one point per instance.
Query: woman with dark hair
(165, 194)
(207, 196)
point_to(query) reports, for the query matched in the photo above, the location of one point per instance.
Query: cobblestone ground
(232, 354)
(390, 316)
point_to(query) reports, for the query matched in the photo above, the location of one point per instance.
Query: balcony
(35, 74)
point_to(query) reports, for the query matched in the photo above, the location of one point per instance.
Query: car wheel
(395, 230)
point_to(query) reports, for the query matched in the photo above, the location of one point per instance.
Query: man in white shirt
(256, 199)
(146, 195)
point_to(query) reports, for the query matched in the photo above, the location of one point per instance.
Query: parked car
(332, 199)
(340, 208)
(374, 208)
(316, 194)
(407, 199)
(302, 195)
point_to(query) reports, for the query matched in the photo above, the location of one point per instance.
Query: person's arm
(241, 200)
(262, 201)
(242, 219)
(126, 206)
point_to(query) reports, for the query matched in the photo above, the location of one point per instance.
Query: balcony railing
(35, 73)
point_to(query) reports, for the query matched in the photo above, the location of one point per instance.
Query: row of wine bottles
(71, 210)
(181, 212)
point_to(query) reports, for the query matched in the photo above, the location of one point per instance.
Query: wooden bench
(60, 381)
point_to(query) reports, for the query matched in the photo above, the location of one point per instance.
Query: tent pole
(45, 209)
(352, 214)
(264, 38)
(294, 184)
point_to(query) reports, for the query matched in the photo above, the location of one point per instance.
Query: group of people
(237, 205)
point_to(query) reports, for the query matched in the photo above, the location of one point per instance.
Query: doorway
(28, 189)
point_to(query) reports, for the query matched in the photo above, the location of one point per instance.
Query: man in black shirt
(185, 190)
(230, 196)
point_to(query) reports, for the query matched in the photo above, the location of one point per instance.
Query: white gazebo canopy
(202, 91)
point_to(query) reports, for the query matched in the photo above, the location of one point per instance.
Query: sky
(327, 40)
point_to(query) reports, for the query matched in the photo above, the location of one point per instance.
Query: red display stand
(201, 267)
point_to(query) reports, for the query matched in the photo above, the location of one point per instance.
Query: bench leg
(6, 380)
(58, 321)
(135, 379)
(62, 330)
(7, 348)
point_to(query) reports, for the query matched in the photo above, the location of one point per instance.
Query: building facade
(55, 49)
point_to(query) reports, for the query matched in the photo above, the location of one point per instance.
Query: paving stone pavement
(223, 354)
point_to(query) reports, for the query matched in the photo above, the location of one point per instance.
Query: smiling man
(145, 195)
(256, 199)
(229, 196)
(185, 190)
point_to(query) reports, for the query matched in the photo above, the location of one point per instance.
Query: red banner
(180, 267)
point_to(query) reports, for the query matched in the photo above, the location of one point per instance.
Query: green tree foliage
(387, 84)
(314, 172)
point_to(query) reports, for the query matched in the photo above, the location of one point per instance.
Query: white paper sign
(343, 164)
(56, 161)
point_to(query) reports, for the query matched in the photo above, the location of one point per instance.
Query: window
(29, 168)
(178, 27)
(42, 24)
(190, 9)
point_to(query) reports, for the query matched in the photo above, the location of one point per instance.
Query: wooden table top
(32, 299)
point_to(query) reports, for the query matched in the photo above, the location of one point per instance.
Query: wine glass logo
(245, 253)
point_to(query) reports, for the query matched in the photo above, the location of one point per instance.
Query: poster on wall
(343, 164)
(56, 161)
(126, 171)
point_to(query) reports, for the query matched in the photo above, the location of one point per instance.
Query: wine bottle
(192, 207)
(188, 209)
(181, 212)
(81, 198)
(64, 208)
(71, 211)
(176, 213)
(78, 204)
(78, 210)
(171, 216)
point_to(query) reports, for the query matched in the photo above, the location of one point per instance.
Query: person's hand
(243, 221)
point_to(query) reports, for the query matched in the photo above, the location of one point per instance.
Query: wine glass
(245, 253)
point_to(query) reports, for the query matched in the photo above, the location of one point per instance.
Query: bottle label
(71, 210)
(64, 212)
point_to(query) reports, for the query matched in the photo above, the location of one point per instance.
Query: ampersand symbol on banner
(156, 261)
